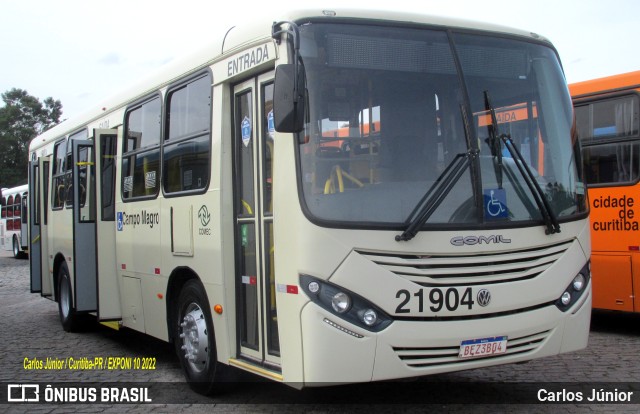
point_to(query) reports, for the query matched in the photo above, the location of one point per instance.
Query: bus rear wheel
(194, 339)
(68, 316)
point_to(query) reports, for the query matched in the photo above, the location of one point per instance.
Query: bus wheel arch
(191, 329)
(178, 278)
(57, 262)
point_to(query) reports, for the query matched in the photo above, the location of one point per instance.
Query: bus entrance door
(105, 227)
(84, 231)
(35, 256)
(255, 273)
(41, 277)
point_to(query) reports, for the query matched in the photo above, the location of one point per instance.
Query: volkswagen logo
(484, 297)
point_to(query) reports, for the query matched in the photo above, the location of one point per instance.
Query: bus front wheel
(194, 339)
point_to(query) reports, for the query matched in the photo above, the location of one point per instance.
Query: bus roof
(14, 190)
(232, 38)
(608, 84)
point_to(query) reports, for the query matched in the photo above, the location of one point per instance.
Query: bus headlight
(314, 287)
(340, 302)
(576, 288)
(579, 282)
(345, 304)
(369, 317)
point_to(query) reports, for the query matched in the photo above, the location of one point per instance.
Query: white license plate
(475, 348)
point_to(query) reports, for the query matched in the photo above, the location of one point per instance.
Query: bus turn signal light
(218, 309)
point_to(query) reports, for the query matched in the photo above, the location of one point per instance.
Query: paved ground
(30, 329)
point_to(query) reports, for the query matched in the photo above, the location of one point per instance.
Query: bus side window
(25, 211)
(604, 129)
(58, 182)
(81, 135)
(141, 158)
(186, 150)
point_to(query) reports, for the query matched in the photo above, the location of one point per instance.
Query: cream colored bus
(314, 201)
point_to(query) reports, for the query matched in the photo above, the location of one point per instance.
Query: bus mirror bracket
(289, 86)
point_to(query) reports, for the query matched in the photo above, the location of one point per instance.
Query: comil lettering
(472, 240)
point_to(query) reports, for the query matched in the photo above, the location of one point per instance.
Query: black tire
(17, 250)
(68, 315)
(194, 338)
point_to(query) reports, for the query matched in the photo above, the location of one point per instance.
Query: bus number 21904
(437, 298)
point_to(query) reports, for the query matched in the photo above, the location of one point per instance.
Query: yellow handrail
(338, 174)
(247, 207)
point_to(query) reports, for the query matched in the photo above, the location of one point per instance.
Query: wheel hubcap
(195, 338)
(65, 302)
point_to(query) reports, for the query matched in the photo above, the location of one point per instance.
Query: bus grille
(470, 269)
(433, 357)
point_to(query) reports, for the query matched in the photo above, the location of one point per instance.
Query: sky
(83, 51)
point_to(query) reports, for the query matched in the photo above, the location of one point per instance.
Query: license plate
(475, 348)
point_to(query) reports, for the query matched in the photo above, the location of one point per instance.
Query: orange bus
(607, 112)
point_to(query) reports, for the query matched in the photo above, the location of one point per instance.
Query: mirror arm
(292, 30)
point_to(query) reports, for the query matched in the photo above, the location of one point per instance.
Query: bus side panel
(142, 309)
(635, 271)
(612, 282)
(614, 229)
(219, 245)
(133, 313)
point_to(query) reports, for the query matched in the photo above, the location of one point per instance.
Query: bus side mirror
(288, 98)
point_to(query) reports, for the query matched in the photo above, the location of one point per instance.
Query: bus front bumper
(336, 351)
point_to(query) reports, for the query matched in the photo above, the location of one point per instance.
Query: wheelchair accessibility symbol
(495, 201)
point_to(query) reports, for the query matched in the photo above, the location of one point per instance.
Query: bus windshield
(391, 110)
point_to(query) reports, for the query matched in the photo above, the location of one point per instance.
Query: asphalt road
(30, 333)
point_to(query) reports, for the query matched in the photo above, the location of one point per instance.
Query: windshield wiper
(443, 185)
(549, 217)
(436, 194)
(494, 139)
